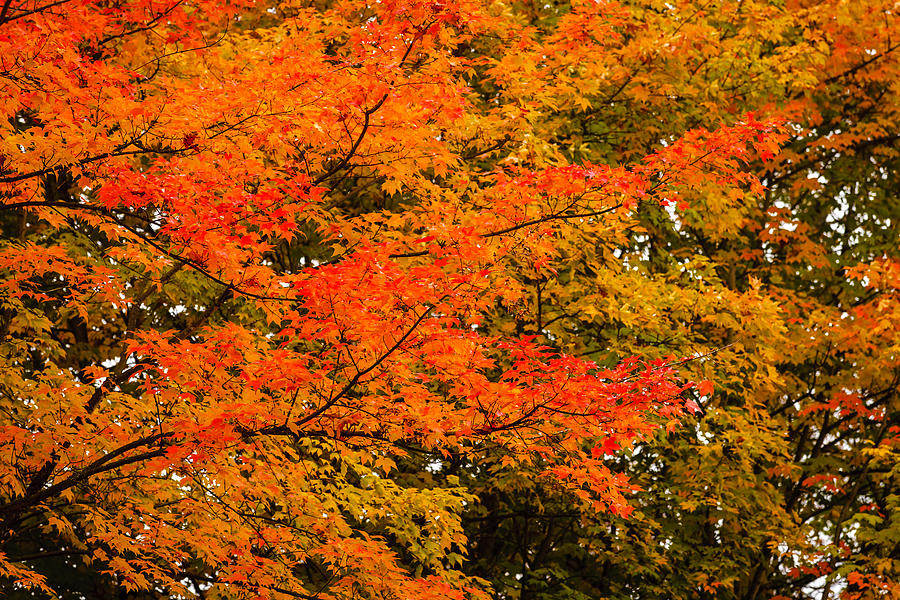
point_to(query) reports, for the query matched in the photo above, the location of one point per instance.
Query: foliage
(399, 299)
(785, 484)
(252, 261)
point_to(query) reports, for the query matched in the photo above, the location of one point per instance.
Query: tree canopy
(419, 299)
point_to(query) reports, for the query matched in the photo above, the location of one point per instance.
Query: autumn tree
(267, 273)
(785, 483)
